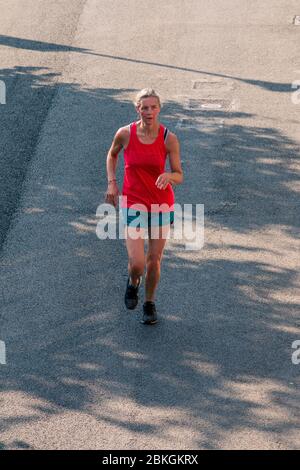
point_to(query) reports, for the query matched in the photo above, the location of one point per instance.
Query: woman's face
(149, 109)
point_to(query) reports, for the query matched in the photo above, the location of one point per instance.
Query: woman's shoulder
(123, 134)
(124, 131)
(168, 134)
(170, 139)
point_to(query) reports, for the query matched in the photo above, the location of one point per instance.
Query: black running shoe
(150, 314)
(131, 295)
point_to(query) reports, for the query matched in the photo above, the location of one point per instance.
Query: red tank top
(143, 165)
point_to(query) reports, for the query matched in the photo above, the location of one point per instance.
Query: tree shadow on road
(223, 337)
(29, 95)
(43, 46)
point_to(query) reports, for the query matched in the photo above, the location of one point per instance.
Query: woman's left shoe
(150, 314)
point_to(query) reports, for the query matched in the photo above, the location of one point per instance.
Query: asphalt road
(81, 372)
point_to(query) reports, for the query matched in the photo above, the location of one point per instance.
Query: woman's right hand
(112, 194)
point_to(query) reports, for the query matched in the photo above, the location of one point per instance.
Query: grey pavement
(216, 372)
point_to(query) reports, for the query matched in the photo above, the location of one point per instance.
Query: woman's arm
(176, 174)
(112, 192)
(112, 156)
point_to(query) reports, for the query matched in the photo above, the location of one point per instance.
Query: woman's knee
(153, 261)
(137, 266)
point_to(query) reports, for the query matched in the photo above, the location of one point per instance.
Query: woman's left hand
(163, 180)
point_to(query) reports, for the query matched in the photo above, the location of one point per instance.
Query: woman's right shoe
(131, 294)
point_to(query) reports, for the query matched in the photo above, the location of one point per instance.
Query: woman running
(147, 195)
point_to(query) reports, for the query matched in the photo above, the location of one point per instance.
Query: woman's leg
(136, 255)
(156, 244)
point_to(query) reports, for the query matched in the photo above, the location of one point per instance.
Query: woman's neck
(148, 129)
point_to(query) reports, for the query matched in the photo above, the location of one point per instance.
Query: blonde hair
(146, 93)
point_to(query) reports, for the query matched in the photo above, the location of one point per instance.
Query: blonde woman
(147, 195)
